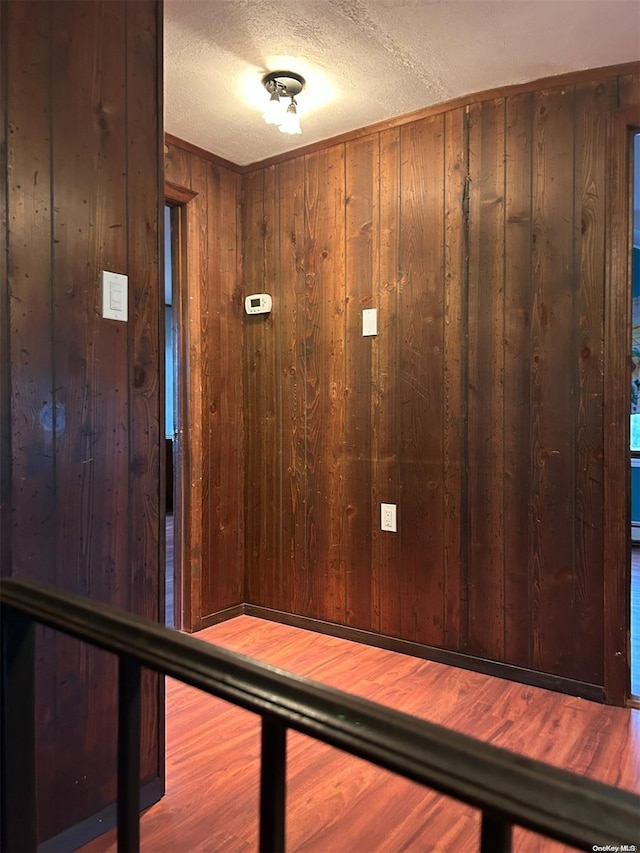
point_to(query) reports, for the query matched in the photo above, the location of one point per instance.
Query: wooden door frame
(180, 199)
(617, 553)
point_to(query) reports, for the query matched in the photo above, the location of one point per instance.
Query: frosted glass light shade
(275, 111)
(291, 122)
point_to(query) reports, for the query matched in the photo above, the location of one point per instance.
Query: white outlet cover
(369, 321)
(388, 517)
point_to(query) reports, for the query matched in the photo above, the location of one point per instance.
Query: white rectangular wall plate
(388, 518)
(369, 321)
(258, 303)
(115, 296)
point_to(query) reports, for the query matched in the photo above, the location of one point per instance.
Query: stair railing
(509, 789)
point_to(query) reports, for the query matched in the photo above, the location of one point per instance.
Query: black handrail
(508, 788)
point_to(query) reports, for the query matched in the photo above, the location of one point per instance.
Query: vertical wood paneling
(486, 379)
(83, 106)
(361, 274)
(222, 551)
(454, 377)
(92, 441)
(29, 210)
(283, 422)
(267, 399)
(629, 92)
(618, 318)
(31, 468)
(255, 371)
(5, 334)
(202, 469)
(420, 389)
(553, 379)
(197, 271)
(593, 103)
(484, 414)
(517, 371)
(177, 165)
(290, 319)
(145, 431)
(212, 435)
(385, 549)
(324, 339)
(90, 354)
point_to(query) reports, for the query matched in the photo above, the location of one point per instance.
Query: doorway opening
(172, 415)
(634, 620)
(169, 418)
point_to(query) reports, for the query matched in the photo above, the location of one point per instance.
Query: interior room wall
(478, 233)
(80, 413)
(212, 370)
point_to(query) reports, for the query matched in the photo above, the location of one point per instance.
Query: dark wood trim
(85, 831)
(616, 407)
(176, 195)
(200, 152)
(545, 680)
(222, 616)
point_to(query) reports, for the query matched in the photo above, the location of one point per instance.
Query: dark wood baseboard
(221, 616)
(593, 692)
(94, 826)
(522, 675)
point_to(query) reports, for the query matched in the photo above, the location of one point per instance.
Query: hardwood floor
(340, 804)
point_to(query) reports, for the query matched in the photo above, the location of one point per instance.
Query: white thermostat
(258, 303)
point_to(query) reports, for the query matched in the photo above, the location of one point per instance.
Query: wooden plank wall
(214, 422)
(478, 234)
(80, 409)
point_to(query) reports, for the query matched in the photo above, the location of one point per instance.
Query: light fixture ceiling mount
(286, 83)
(283, 84)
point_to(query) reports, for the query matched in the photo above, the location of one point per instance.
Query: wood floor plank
(340, 804)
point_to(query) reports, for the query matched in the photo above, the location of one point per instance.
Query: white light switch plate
(115, 296)
(370, 321)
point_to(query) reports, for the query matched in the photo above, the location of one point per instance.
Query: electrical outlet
(370, 321)
(388, 517)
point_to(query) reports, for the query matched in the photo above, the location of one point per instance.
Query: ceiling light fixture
(281, 85)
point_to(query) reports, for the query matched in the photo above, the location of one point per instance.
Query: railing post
(495, 834)
(128, 755)
(273, 785)
(18, 778)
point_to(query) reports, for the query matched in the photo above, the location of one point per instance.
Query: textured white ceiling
(367, 60)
